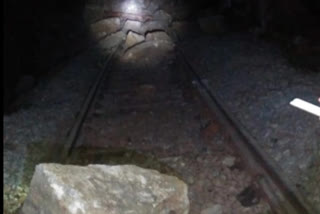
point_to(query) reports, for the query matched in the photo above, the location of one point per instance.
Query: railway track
(129, 105)
(281, 193)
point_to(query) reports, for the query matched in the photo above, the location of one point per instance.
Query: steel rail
(74, 132)
(282, 195)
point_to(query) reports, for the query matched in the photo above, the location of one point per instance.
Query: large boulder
(162, 16)
(134, 26)
(105, 27)
(100, 189)
(112, 41)
(154, 49)
(142, 28)
(159, 37)
(133, 39)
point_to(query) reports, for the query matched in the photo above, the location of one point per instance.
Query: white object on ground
(306, 106)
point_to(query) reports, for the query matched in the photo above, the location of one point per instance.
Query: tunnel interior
(253, 56)
(39, 35)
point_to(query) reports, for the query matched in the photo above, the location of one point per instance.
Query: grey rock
(134, 26)
(278, 156)
(287, 153)
(199, 159)
(156, 25)
(133, 39)
(153, 48)
(98, 189)
(229, 161)
(213, 209)
(190, 180)
(162, 16)
(159, 37)
(112, 41)
(153, 6)
(143, 28)
(104, 27)
(215, 173)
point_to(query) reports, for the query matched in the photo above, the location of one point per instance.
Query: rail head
(73, 134)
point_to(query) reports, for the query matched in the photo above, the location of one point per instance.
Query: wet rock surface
(162, 16)
(104, 189)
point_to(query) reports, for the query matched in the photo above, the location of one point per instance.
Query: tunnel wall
(38, 35)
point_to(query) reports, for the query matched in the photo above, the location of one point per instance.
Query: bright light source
(131, 7)
(308, 107)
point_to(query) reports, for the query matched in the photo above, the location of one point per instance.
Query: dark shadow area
(293, 25)
(38, 35)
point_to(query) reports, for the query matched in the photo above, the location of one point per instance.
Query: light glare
(131, 7)
(308, 107)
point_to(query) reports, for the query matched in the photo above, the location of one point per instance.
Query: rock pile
(132, 21)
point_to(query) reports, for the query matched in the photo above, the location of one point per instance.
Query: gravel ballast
(49, 107)
(256, 83)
